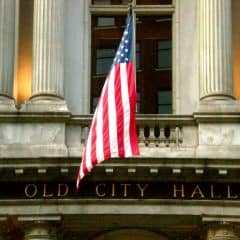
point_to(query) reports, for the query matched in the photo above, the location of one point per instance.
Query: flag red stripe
(132, 99)
(84, 166)
(106, 144)
(93, 144)
(119, 112)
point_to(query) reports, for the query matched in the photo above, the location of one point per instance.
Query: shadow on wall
(130, 234)
(236, 47)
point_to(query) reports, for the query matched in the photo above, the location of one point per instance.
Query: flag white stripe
(89, 145)
(81, 172)
(126, 108)
(112, 115)
(88, 151)
(99, 127)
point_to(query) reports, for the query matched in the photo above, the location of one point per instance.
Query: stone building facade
(184, 185)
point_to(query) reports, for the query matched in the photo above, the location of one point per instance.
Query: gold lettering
(30, 190)
(197, 191)
(229, 195)
(45, 194)
(142, 189)
(125, 186)
(113, 190)
(99, 192)
(213, 193)
(62, 190)
(176, 190)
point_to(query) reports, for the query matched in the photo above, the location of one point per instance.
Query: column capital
(40, 230)
(40, 227)
(221, 231)
(221, 227)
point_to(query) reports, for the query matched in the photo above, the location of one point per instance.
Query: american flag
(113, 129)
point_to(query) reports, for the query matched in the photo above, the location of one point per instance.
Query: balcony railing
(154, 131)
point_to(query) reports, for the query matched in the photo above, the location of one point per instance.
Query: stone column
(221, 231)
(40, 230)
(48, 56)
(215, 50)
(7, 46)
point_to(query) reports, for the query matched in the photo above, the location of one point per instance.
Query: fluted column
(48, 51)
(221, 231)
(7, 46)
(48, 32)
(40, 231)
(215, 49)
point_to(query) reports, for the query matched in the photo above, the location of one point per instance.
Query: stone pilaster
(215, 50)
(48, 56)
(221, 231)
(7, 46)
(40, 230)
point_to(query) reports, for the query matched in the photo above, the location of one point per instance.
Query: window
(164, 54)
(104, 59)
(138, 55)
(164, 102)
(140, 2)
(104, 44)
(94, 103)
(114, 2)
(138, 102)
(151, 30)
(153, 50)
(105, 21)
(154, 2)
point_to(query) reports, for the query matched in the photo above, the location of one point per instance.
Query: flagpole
(130, 9)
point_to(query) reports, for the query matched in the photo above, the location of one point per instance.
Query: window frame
(144, 10)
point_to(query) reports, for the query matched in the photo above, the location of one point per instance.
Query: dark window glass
(138, 102)
(104, 60)
(138, 56)
(164, 54)
(164, 102)
(149, 31)
(153, 51)
(107, 2)
(94, 103)
(105, 40)
(154, 2)
(105, 21)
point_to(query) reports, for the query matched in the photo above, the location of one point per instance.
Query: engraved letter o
(30, 190)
